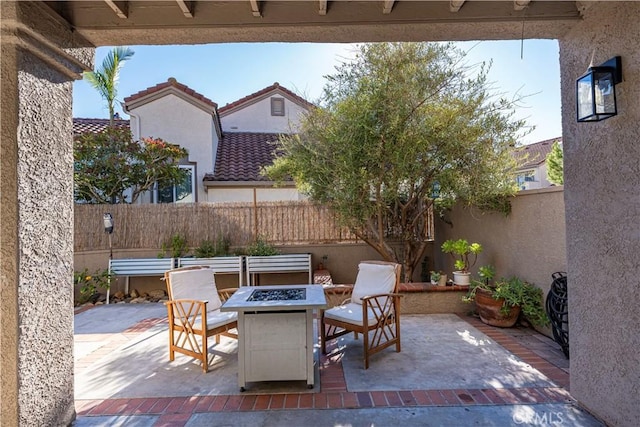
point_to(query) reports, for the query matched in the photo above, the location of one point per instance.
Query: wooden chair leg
(172, 353)
(323, 336)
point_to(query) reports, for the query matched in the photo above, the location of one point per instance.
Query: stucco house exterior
(227, 146)
(532, 159)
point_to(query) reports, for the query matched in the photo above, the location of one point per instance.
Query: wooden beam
(186, 7)
(322, 7)
(119, 7)
(520, 4)
(388, 5)
(455, 5)
(255, 8)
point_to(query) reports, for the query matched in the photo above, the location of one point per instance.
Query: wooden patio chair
(194, 312)
(373, 310)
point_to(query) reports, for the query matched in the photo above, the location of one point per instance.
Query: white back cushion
(373, 279)
(195, 284)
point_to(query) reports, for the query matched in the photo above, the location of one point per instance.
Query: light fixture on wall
(596, 92)
(108, 228)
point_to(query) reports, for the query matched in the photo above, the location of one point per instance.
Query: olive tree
(400, 129)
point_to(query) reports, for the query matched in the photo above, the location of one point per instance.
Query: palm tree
(105, 79)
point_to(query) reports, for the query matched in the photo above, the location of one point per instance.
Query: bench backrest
(286, 263)
(141, 266)
(224, 265)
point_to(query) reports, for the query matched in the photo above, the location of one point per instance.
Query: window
(525, 177)
(277, 106)
(181, 193)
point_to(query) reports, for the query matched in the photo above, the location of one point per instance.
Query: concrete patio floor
(453, 370)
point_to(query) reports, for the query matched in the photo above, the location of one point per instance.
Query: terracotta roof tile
(536, 153)
(170, 82)
(241, 155)
(81, 126)
(261, 92)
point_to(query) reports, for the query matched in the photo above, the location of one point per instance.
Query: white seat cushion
(195, 284)
(349, 313)
(373, 279)
(215, 319)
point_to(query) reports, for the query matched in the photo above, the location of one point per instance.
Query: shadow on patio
(452, 368)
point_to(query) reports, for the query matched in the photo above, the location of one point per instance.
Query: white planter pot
(461, 279)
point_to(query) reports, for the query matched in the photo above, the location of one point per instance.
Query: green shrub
(177, 245)
(207, 249)
(261, 248)
(89, 283)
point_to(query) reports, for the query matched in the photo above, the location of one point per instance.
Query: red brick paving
(176, 411)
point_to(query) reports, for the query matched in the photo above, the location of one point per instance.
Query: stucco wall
(529, 242)
(257, 117)
(602, 194)
(179, 122)
(232, 194)
(36, 307)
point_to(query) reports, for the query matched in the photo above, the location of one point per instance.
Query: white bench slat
(223, 265)
(286, 263)
(138, 267)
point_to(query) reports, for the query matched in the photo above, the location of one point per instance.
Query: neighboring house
(532, 164)
(227, 146)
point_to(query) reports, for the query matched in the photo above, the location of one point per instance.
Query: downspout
(135, 132)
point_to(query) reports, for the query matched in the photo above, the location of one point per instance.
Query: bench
(287, 263)
(139, 267)
(221, 265)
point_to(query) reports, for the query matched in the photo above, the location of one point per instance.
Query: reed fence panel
(148, 226)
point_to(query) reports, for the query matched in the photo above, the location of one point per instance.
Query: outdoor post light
(108, 228)
(596, 92)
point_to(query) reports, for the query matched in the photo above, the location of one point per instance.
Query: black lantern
(108, 223)
(596, 92)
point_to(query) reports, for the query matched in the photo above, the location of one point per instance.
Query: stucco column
(41, 57)
(602, 199)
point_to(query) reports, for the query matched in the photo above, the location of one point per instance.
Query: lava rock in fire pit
(278, 295)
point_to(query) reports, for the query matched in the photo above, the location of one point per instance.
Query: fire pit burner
(278, 295)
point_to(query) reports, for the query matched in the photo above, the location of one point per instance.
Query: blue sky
(227, 72)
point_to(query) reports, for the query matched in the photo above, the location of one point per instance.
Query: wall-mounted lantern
(108, 228)
(108, 223)
(596, 92)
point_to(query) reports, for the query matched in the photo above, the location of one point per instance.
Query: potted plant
(438, 278)
(461, 251)
(500, 303)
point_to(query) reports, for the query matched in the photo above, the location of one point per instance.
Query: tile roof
(258, 94)
(81, 126)
(170, 82)
(241, 155)
(536, 153)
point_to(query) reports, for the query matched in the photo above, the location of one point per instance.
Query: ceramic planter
(490, 311)
(441, 282)
(461, 279)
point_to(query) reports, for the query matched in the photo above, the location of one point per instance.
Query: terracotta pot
(490, 313)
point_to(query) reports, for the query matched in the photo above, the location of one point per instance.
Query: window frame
(274, 111)
(156, 191)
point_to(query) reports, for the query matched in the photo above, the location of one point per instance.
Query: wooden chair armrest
(181, 304)
(226, 293)
(370, 297)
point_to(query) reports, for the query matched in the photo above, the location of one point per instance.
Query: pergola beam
(388, 5)
(119, 7)
(186, 7)
(520, 4)
(455, 5)
(255, 8)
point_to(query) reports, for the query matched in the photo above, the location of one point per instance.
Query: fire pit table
(275, 331)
